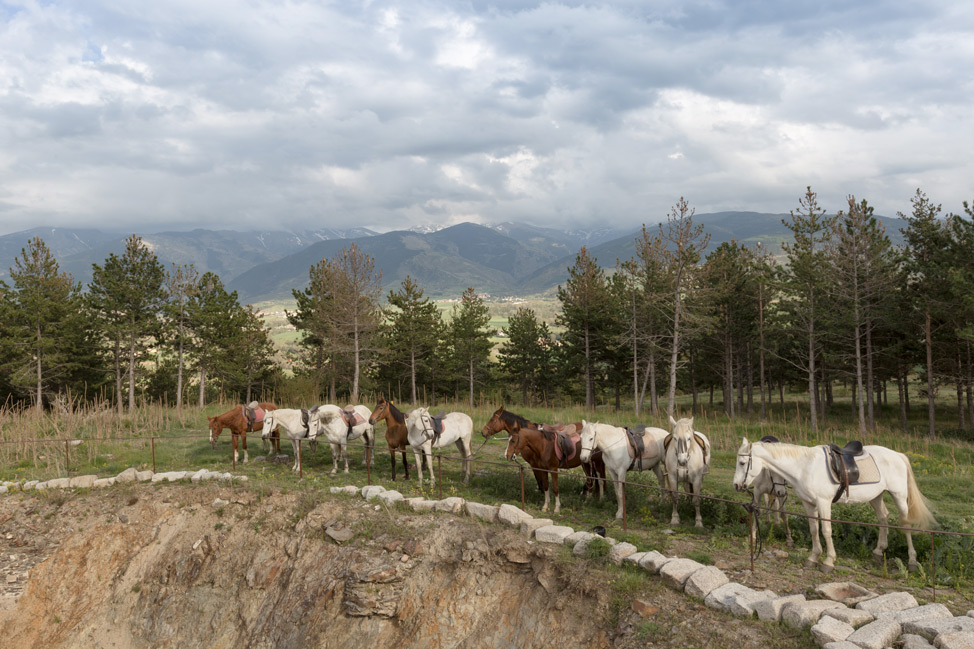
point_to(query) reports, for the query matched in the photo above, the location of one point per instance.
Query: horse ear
(691, 423)
(672, 421)
(744, 443)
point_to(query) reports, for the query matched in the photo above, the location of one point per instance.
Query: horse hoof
(699, 525)
(826, 568)
(878, 558)
(790, 543)
(912, 566)
(809, 564)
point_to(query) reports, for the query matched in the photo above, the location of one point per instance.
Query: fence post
(152, 444)
(439, 473)
(933, 565)
(368, 463)
(624, 516)
(67, 458)
(300, 465)
(752, 530)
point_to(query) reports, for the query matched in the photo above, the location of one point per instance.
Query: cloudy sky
(176, 114)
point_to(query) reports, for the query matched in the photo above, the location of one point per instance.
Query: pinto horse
(595, 468)
(239, 426)
(397, 435)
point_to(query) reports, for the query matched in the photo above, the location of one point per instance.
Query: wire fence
(753, 510)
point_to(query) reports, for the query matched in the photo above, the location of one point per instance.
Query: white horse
(686, 457)
(806, 470)
(771, 491)
(292, 421)
(618, 454)
(457, 429)
(331, 421)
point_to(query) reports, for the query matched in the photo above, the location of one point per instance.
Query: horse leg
(674, 495)
(828, 565)
(294, 448)
(618, 482)
(344, 447)
(405, 466)
(882, 514)
(335, 450)
(243, 438)
(903, 508)
(782, 497)
(697, 488)
(465, 454)
(392, 455)
(658, 470)
(812, 512)
(428, 453)
(554, 481)
(233, 442)
(419, 464)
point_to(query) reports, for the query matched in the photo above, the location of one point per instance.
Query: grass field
(112, 443)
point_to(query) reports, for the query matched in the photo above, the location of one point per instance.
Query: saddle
(842, 462)
(565, 447)
(638, 445)
(253, 416)
(305, 419)
(351, 419)
(437, 421)
(559, 429)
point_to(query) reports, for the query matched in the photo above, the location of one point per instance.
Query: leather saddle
(842, 461)
(437, 421)
(254, 416)
(637, 442)
(352, 419)
(565, 447)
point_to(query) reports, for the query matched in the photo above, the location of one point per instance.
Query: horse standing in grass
(427, 432)
(504, 420)
(771, 491)
(686, 458)
(807, 470)
(397, 436)
(538, 448)
(619, 454)
(239, 426)
(340, 427)
(291, 420)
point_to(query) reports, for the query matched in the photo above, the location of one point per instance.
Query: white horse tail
(918, 515)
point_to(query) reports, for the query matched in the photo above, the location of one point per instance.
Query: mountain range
(501, 260)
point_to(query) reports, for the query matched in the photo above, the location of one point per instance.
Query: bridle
(747, 470)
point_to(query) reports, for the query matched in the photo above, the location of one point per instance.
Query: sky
(181, 114)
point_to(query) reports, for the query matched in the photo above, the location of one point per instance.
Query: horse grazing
(291, 420)
(239, 426)
(340, 427)
(538, 448)
(503, 420)
(686, 457)
(619, 454)
(397, 437)
(806, 468)
(426, 432)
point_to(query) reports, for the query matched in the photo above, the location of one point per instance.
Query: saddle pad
(560, 451)
(353, 419)
(868, 471)
(258, 415)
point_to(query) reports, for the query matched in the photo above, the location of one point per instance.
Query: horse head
(747, 468)
(495, 424)
(215, 429)
(268, 426)
(683, 436)
(587, 441)
(381, 407)
(513, 442)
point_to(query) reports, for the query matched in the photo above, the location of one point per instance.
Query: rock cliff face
(176, 567)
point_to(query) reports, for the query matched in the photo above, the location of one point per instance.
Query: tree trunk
(179, 372)
(202, 385)
(901, 390)
(674, 357)
(132, 373)
(870, 378)
(589, 397)
(860, 389)
(471, 382)
(40, 375)
(812, 391)
(931, 414)
(412, 373)
(356, 353)
(118, 375)
(764, 411)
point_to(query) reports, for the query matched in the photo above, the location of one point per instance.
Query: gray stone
(800, 615)
(722, 597)
(103, 482)
(40, 486)
(888, 602)
(350, 490)
(340, 535)
(552, 534)
(512, 515)
(851, 616)
(581, 548)
(4, 489)
(876, 635)
(143, 476)
(483, 512)
(911, 641)
(769, 610)
(924, 612)
(169, 476)
(371, 492)
(703, 581)
(451, 505)
(634, 558)
(30, 484)
(225, 477)
(931, 628)
(654, 561)
(847, 592)
(219, 502)
(675, 573)
(390, 498)
(955, 640)
(828, 629)
(743, 604)
(198, 476)
(422, 505)
(620, 552)
(845, 644)
(529, 525)
(59, 483)
(128, 475)
(573, 538)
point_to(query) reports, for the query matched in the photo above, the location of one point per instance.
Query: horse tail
(918, 514)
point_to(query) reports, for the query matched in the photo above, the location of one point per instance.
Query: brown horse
(505, 420)
(396, 432)
(538, 448)
(235, 420)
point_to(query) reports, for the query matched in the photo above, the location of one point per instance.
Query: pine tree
(355, 312)
(182, 282)
(526, 354)
(469, 333)
(311, 319)
(215, 322)
(413, 331)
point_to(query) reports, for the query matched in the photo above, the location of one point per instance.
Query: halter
(428, 431)
(747, 471)
(514, 438)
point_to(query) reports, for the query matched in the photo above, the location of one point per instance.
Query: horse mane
(396, 414)
(783, 450)
(510, 419)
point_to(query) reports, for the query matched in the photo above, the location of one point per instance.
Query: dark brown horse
(538, 448)
(396, 432)
(506, 421)
(235, 420)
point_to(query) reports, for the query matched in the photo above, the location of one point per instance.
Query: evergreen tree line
(139, 332)
(734, 327)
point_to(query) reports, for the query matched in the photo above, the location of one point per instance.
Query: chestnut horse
(505, 420)
(235, 420)
(396, 433)
(538, 448)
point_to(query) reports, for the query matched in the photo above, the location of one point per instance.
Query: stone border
(873, 622)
